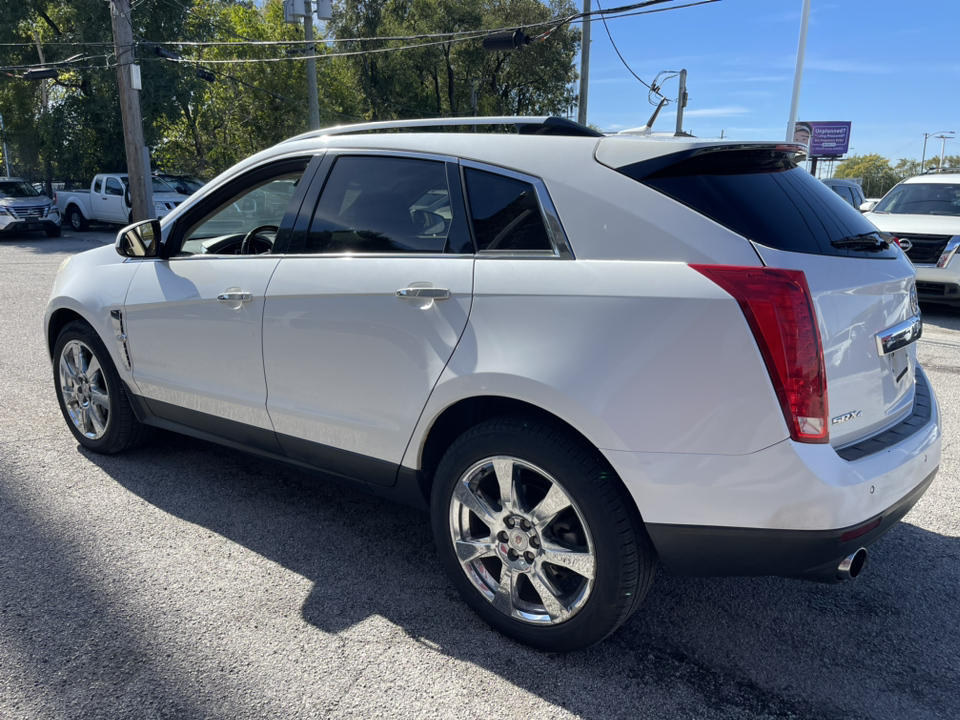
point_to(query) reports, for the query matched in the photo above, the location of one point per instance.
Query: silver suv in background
(23, 209)
(923, 215)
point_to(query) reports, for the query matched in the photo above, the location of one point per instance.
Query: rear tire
(76, 219)
(91, 395)
(538, 535)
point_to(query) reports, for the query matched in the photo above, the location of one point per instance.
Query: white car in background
(581, 353)
(923, 214)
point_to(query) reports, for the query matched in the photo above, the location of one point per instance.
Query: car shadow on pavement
(886, 645)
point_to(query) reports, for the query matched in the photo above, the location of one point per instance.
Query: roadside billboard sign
(823, 138)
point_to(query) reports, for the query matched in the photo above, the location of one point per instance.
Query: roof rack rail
(540, 125)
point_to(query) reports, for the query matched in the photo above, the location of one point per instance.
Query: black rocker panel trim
(377, 476)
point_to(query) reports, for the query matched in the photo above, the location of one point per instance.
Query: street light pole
(798, 73)
(923, 157)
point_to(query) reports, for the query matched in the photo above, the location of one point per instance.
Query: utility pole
(128, 81)
(311, 66)
(681, 101)
(943, 144)
(584, 65)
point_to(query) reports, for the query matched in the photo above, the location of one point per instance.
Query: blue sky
(891, 67)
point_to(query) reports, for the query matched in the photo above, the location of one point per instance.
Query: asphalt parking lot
(184, 580)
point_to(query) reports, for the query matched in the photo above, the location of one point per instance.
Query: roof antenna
(646, 129)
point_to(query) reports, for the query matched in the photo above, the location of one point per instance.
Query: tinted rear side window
(762, 195)
(505, 212)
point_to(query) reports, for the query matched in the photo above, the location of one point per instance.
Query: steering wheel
(246, 247)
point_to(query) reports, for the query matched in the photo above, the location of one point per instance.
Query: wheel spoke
(477, 505)
(503, 467)
(83, 415)
(555, 502)
(548, 597)
(93, 368)
(99, 423)
(468, 551)
(66, 369)
(78, 358)
(99, 397)
(506, 592)
(582, 563)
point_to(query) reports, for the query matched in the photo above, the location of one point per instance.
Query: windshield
(17, 189)
(922, 199)
(158, 185)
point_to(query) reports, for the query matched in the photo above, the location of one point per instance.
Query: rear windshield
(764, 196)
(922, 199)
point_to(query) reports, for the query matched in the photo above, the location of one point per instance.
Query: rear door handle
(235, 297)
(426, 293)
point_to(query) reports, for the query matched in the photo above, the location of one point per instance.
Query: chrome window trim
(548, 211)
(386, 152)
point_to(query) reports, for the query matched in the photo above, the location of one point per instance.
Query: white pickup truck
(108, 200)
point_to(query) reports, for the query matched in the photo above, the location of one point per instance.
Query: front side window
(384, 205)
(113, 187)
(505, 212)
(922, 199)
(244, 217)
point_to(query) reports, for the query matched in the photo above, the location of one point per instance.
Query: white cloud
(728, 111)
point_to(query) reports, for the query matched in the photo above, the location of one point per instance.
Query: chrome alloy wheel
(522, 541)
(84, 389)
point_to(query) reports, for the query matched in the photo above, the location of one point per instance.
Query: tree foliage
(874, 171)
(69, 128)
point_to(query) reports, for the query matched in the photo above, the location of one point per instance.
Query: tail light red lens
(779, 310)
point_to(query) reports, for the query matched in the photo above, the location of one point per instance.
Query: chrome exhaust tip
(852, 565)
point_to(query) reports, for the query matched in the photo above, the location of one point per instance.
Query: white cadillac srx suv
(585, 354)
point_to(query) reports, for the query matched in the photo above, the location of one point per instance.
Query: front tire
(538, 536)
(91, 395)
(53, 232)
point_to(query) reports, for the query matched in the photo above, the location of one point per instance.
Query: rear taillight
(779, 310)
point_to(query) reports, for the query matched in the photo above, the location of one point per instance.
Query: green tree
(441, 79)
(874, 170)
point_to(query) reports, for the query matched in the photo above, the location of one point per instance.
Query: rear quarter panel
(638, 356)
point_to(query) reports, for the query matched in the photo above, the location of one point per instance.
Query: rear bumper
(787, 509)
(803, 554)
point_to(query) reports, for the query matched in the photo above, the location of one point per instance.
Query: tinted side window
(844, 192)
(113, 187)
(384, 205)
(505, 213)
(97, 184)
(762, 195)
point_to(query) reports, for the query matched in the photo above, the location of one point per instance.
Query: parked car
(108, 200)
(581, 353)
(23, 209)
(183, 184)
(923, 214)
(848, 190)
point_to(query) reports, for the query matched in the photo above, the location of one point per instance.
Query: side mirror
(868, 206)
(139, 240)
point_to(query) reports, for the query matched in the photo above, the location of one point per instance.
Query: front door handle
(235, 297)
(424, 293)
